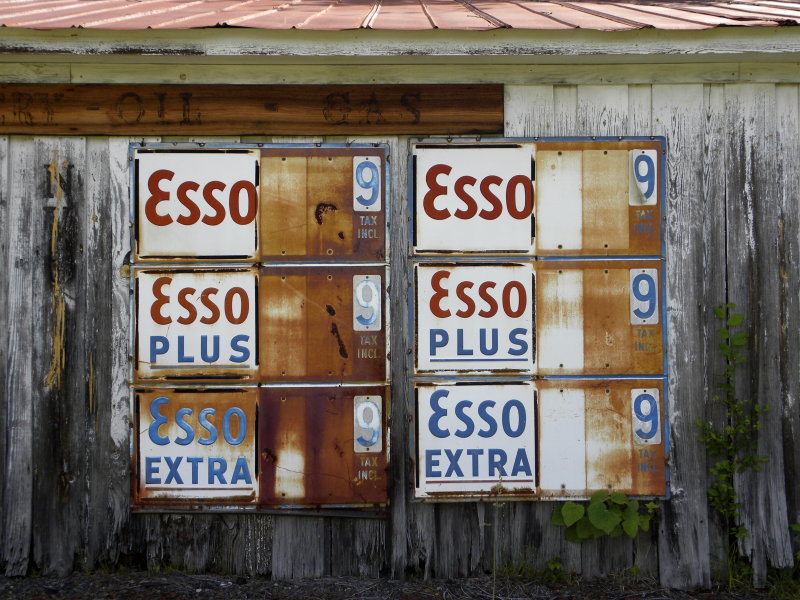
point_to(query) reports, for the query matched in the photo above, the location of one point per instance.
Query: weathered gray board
(733, 232)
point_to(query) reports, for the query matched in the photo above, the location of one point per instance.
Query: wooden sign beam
(251, 109)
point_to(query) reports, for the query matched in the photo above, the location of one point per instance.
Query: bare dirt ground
(137, 585)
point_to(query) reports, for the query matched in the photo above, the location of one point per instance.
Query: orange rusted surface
(309, 450)
(391, 15)
(194, 447)
(308, 330)
(585, 323)
(601, 435)
(310, 209)
(611, 219)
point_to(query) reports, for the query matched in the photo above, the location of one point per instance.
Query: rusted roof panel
(338, 15)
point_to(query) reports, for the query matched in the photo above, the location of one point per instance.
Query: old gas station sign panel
(196, 324)
(323, 445)
(538, 269)
(322, 324)
(475, 439)
(260, 274)
(544, 197)
(196, 446)
(197, 204)
(601, 434)
(474, 317)
(323, 204)
(599, 317)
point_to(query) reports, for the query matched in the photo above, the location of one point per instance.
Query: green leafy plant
(733, 444)
(607, 514)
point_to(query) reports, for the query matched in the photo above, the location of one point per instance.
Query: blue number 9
(373, 183)
(373, 423)
(373, 302)
(649, 295)
(651, 416)
(649, 175)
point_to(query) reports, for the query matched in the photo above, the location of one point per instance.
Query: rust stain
(57, 301)
(330, 309)
(335, 333)
(322, 208)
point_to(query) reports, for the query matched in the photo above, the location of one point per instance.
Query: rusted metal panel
(475, 440)
(195, 447)
(323, 445)
(601, 434)
(476, 317)
(323, 204)
(427, 14)
(196, 325)
(196, 203)
(599, 317)
(323, 323)
(599, 197)
(470, 198)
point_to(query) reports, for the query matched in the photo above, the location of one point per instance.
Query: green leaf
(723, 333)
(598, 496)
(735, 320)
(572, 512)
(651, 506)
(720, 312)
(557, 518)
(795, 526)
(571, 534)
(602, 518)
(739, 339)
(619, 498)
(631, 526)
(632, 510)
(584, 529)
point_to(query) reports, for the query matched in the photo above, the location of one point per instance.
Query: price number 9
(645, 177)
(367, 424)
(644, 297)
(645, 420)
(366, 302)
(366, 183)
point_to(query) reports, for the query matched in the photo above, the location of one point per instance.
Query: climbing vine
(733, 444)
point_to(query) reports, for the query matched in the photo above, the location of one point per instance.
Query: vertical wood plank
(60, 363)
(23, 224)
(118, 394)
(715, 290)
(753, 270)
(565, 110)
(788, 164)
(301, 547)
(4, 301)
(639, 110)
(457, 543)
(683, 527)
(528, 108)
(358, 547)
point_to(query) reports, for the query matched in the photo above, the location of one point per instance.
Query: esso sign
(475, 317)
(473, 199)
(200, 322)
(197, 204)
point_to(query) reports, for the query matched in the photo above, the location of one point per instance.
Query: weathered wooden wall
(733, 234)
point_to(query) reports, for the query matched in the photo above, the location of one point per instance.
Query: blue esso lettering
(165, 469)
(209, 349)
(484, 420)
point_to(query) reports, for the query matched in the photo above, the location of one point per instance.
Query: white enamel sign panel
(195, 204)
(197, 445)
(473, 438)
(473, 199)
(474, 317)
(194, 324)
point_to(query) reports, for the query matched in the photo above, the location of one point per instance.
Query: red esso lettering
(235, 304)
(482, 298)
(242, 201)
(516, 195)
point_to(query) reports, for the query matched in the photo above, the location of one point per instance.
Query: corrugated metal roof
(336, 15)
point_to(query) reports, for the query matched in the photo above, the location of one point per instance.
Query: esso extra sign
(474, 437)
(475, 317)
(474, 199)
(197, 204)
(196, 323)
